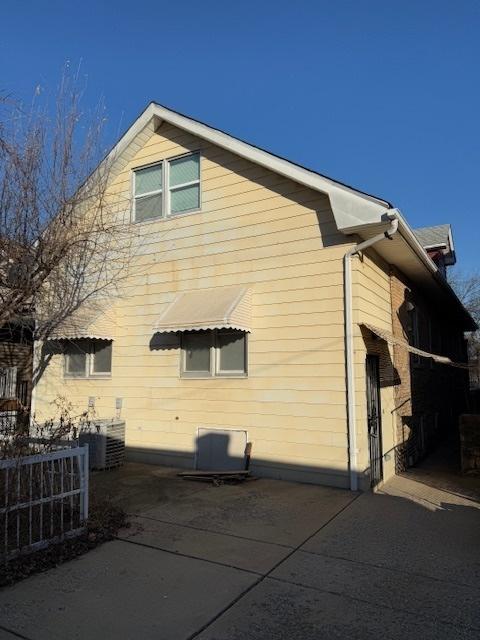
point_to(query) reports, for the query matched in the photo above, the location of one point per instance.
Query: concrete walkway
(264, 560)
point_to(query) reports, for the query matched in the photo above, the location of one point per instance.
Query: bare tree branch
(64, 239)
(467, 288)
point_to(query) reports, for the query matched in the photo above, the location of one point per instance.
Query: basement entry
(220, 449)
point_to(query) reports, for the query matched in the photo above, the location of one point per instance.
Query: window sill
(224, 377)
(92, 377)
(172, 216)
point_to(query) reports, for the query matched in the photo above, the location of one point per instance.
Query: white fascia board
(439, 245)
(450, 239)
(132, 132)
(350, 207)
(410, 238)
(405, 231)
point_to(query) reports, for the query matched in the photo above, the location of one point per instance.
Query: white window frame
(149, 193)
(69, 374)
(166, 189)
(89, 361)
(191, 183)
(92, 372)
(230, 372)
(215, 371)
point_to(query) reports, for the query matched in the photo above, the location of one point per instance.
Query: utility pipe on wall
(349, 341)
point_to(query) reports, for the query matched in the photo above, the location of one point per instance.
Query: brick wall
(428, 396)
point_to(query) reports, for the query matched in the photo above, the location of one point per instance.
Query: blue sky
(384, 95)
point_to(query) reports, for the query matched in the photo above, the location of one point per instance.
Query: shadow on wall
(389, 375)
(279, 186)
(50, 348)
(164, 342)
(450, 481)
(218, 450)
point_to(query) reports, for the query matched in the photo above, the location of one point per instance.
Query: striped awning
(398, 342)
(222, 308)
(93, 324)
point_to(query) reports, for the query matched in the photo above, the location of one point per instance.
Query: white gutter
(349, 341)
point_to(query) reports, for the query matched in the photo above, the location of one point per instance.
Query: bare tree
(467, 288)
(63, 239)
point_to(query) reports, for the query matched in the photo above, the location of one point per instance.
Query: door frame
(374, 418)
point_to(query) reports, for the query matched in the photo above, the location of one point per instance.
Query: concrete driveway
(264, 560)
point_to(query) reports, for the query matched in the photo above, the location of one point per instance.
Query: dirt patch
(104, 523)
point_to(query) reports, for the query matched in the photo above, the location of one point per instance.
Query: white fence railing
(45, 499)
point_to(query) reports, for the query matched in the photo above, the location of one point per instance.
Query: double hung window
(214, 353)
(167, 188)
(88, 358)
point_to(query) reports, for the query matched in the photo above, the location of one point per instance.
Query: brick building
(429, 395)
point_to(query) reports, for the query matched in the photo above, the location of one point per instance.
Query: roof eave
(408, 235)
(350, 206)
(352, 209)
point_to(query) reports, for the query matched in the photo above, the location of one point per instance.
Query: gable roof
(354, 211)
(438, 239)
(350, 206)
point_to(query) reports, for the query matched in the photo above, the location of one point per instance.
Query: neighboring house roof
(438, 239)
(434, 237)
(354, 211)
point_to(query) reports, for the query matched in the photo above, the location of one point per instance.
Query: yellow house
(246, 317)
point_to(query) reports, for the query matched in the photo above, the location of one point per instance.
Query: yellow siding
(257, 229)
(372, 304)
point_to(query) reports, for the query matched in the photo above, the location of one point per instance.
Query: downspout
(349, 350)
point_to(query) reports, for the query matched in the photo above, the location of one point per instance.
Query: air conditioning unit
(106, 443)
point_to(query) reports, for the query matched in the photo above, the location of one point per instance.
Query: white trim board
(350, 207)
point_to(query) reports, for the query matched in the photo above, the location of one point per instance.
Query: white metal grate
(45, 499)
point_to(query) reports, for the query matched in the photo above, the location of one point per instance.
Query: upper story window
(184, 184)
(88, 358)
(167, 188)
(149, 192)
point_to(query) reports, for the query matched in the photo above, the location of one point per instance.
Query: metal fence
(45, 499)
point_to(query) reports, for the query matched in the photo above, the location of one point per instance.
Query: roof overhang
(406, 253)
(350, 206)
